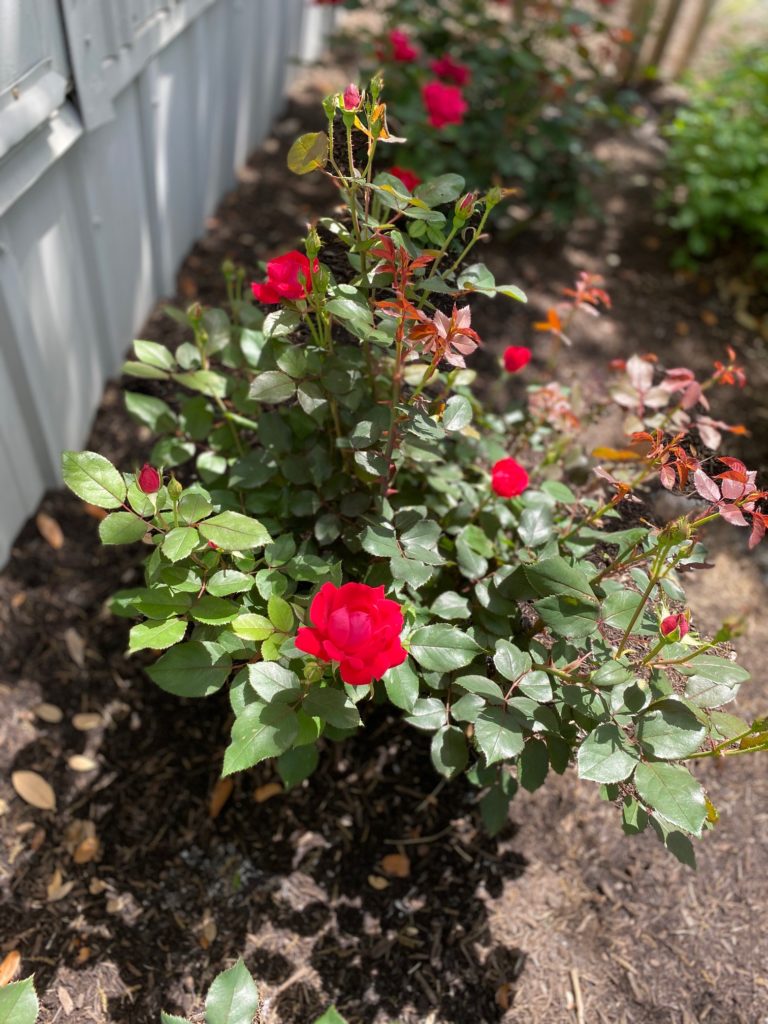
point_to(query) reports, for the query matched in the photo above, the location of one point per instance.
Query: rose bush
(342, 524)
(496, 92)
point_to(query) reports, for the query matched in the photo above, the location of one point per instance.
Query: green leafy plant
(717, 163)
(18, 1002)
(336, 522)
(535, 81)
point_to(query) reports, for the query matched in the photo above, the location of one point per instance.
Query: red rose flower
(516, 357)
(288, 277)
(357, 626)
(508, 478)
(451, 70)
(445, 104)
(408, 178)
(402, 48)
(148, 479)
(675, 626)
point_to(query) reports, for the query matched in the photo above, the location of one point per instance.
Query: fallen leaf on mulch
(86, 720)
(81, 841)
(9, 967)
(65, 999)
(50, 530)
(57, 888)
(502, 996)
(95, 511)
(222, 791)
(267, 791)
(396, 864)
(377, 882)
(75, 646)
(49, 713)
(18, 599)
(81, 763)
(34, 790)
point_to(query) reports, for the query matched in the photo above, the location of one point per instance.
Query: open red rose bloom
(288, 277)
(357, 626)
(508, 478)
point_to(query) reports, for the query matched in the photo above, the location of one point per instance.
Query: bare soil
(560, 920)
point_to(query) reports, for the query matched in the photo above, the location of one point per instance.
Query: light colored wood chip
(57, 888)
(87, 850)
(18, 599)
(9, 968)
(50, 530)
(81, 763)
(65, 999)
(49, 713)
(95, 511)
(377, 882)
(86, 720)
(266, 792)
(222, 791)
(396, 864)
(34, 790)
(75, 646)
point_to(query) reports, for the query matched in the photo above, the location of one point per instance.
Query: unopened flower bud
(312, 243)
(674, 627)
(351, 97)
(174, 489)
(465, 206)
(148, 479)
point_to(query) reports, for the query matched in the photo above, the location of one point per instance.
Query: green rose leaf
(535, 527)
(94, 479)
(250, 626)
(229, 581)
(670, 730)
(153, 354)
(714, 681)
(308, 153)
(428, 713)
(449, 751)
(457, 413)
(606, 755)
(402, 686)
(442, 648)
(273, 682)
(179, 543)
(272, 387)
(232, 531)
(232, 998)
(18, 1003)
(170, 1018)
(193, 669)
(672, 791)
(450, 605)
(156, 636)
(498, 734)
(509, 661)
(121, 528)
(533, 765)
(214, 611)
(280, 613)
(296, 765)
(333, 706)
(260, 731)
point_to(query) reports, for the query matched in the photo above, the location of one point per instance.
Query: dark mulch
(561, 919)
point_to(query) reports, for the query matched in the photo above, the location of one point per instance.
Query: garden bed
(559, 919)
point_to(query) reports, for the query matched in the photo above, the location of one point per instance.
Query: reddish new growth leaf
(675, 463)
(730, 373)
(588, 293)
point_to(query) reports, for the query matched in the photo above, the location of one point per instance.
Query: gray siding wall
(122, 123)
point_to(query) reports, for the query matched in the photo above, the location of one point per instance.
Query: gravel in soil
(365, 886)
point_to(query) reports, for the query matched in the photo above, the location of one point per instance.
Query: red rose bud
(351, 97)
(356, 626)
(674, 627)
(148, 479)
(465, 206)
(288, 277)
(508, 478)
(408, 178)
(516, 357)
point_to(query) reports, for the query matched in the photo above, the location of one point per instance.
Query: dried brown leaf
(267, 791)
(87, 850)
(9, 968)
(95, 511)
(377, 882)
(81, 763)
(50, 530)
(34, 790)
(222, 791)
(396, 864)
